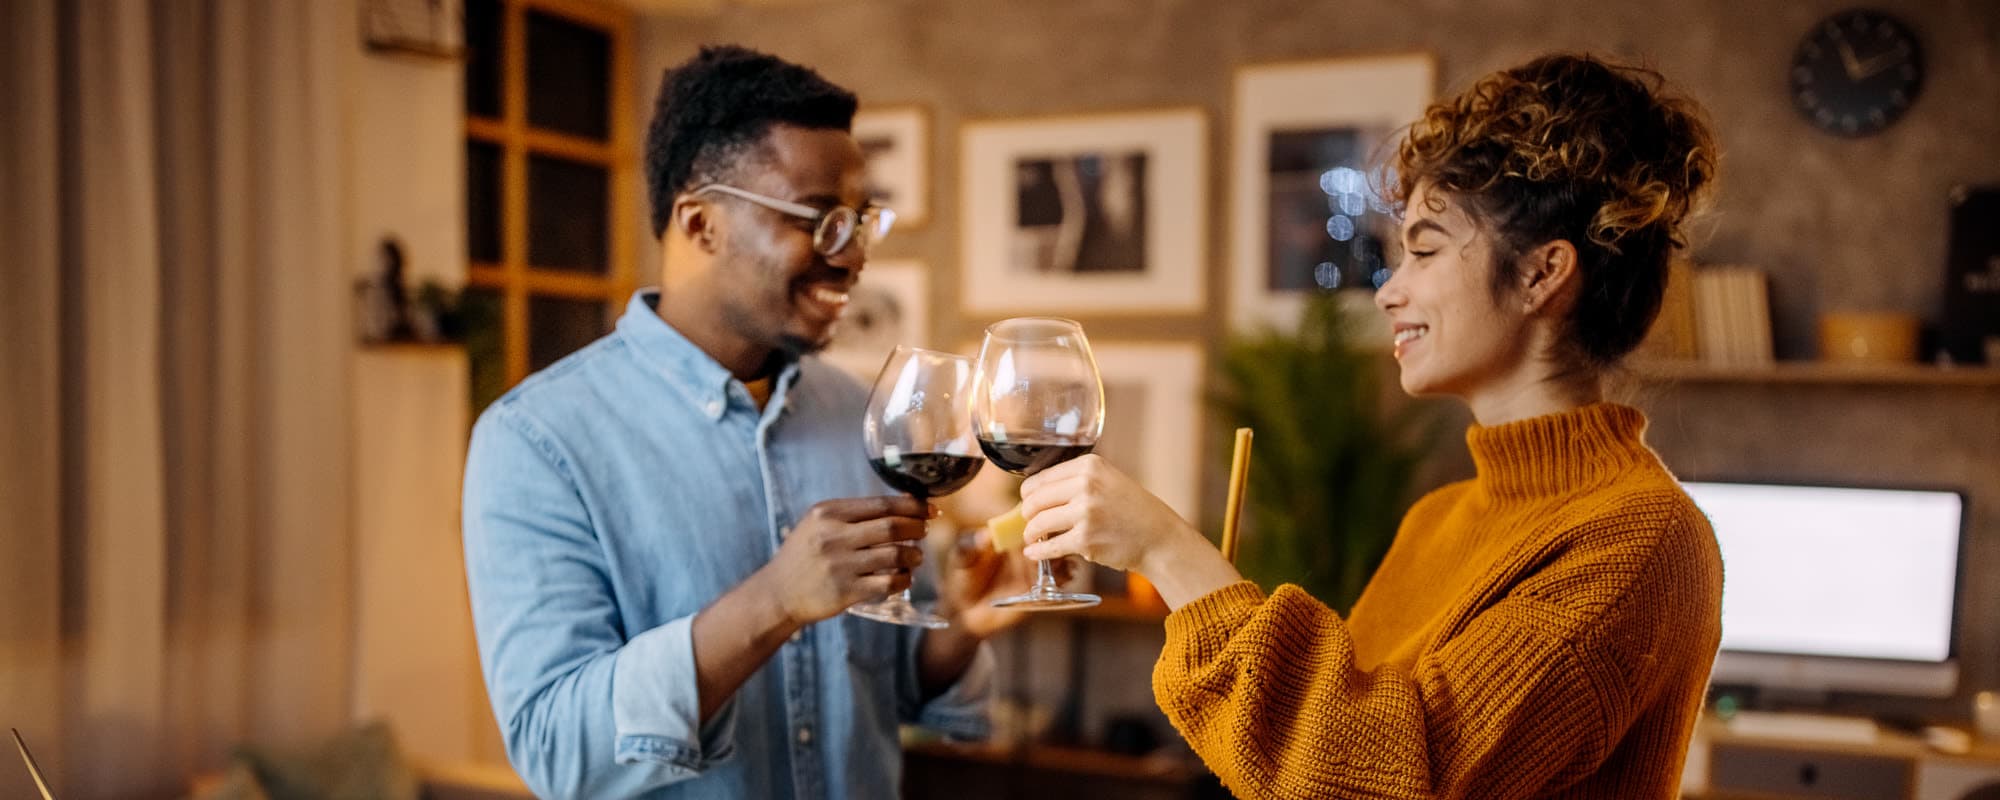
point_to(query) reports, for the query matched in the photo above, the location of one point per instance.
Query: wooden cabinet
(1042, 772)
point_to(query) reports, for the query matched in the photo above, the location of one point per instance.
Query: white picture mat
(1171, 422)
(905, 167)
(1835, 572)
(862, 354)
(1385, 91)
(1176, 201)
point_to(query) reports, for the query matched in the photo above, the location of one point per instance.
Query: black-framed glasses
(833, 228)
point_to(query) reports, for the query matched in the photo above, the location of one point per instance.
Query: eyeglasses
(833, 228)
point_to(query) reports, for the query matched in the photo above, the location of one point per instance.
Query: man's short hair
(713, 112)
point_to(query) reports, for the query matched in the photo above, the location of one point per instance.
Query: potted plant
(1337, 449)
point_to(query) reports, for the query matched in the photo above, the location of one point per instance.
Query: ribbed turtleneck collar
(1558, 452)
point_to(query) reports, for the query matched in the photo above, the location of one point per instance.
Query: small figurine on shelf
(387, 312)
(382, 311)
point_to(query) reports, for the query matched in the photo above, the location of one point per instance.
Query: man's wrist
(768, 610)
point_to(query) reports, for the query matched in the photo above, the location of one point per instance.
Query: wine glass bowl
(1038, 402)
(919, 439)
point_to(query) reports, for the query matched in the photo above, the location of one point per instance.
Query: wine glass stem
(913, 570)
(1045, 577)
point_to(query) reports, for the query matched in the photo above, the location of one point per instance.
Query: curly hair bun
(1578, 148)
(1572, 122)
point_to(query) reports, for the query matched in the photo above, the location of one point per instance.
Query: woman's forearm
(1186, 568)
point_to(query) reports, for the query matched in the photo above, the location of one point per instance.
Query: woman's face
(1453, 335)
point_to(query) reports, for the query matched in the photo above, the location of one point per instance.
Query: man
(662, 530)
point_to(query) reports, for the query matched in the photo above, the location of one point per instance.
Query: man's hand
(842, 552)
(845, 551)
(975, 576)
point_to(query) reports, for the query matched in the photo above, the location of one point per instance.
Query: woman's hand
(1087, 507)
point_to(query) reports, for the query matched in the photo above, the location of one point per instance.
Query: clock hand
(1848, 61)
(1875, 63)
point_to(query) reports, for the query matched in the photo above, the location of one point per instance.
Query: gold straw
(1239, 476)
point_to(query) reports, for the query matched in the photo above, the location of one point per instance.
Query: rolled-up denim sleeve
(584, 713)
(657, 708)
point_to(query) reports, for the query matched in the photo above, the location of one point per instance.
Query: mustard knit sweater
(1543, 630)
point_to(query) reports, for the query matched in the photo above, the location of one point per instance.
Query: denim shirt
(615, 494)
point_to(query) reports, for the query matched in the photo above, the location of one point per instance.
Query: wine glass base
(896, 611)
(1048, 601)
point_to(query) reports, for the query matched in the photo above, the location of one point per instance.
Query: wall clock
(1856, 72)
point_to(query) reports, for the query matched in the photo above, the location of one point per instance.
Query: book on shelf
(1732, 312)
(1972, 278)
(1674, 336)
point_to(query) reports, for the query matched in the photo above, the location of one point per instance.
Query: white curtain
(174, 535)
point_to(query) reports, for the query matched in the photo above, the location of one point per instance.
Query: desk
(1725, 765)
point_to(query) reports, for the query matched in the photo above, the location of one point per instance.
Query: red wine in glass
(927, 475)
(1028, 458)
(918, 434)
(1039, 402)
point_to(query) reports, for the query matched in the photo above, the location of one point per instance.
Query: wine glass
(919, 439)
(1038, 403)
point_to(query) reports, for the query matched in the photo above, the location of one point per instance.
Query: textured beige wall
(1839, 224)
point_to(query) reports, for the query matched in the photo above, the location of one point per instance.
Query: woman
(1544, 629)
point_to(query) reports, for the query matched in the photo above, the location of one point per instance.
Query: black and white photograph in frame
(887, 307)
(895, 142)
(1081, 213)
(1099, 213)
(1305, 213)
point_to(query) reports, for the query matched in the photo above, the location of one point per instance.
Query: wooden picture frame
(1304, 215)
(1090, 214)
(1153, 410)
(896, 143)
(889, 306)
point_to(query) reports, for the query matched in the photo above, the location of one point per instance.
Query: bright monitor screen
(1854, 573)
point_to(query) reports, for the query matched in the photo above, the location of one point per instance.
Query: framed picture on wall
(1103, 213)
(1305, 215)
(889, 306)
(1153, 402)
(896, 144)
(429, 28)
(1152, 417)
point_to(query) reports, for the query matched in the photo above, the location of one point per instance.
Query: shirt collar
(695, 375)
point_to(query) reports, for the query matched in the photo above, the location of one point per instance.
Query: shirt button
(714, 407)
(805, 736)
(785, 532)
(798, 634)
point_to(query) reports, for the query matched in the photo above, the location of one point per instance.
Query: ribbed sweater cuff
(1228, 606)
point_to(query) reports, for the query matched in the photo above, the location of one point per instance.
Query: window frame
(513, 278)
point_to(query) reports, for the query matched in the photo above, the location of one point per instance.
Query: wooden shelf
(411, 347)
(1053, 758)
(1817, 372)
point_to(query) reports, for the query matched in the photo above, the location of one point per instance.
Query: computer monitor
(1831, 589)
